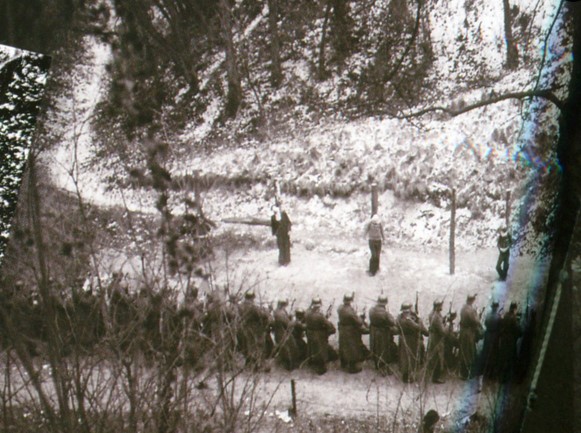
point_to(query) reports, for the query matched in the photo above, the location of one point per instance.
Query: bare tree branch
(547, 94)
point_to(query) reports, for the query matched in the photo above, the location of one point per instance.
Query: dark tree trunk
(321, 73)
(341, 25)
(511, 50)
(553, 409)
(275, 65)
(234, 95)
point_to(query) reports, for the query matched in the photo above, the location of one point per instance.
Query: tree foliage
(22, 82)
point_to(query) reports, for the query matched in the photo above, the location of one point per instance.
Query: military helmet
(495, 304)
(471, 297)
(283, 302)
(249, 295)
(316, 302)
(348, 297)
(438, 303)
(382, 300)
(406, 306)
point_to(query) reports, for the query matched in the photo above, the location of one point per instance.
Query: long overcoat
(411, 331)
(351, 328)
(490, 347)
(436, 341)
(254, 323)
(470, 331)
(382, 327)
(286, 346)
(319, 328)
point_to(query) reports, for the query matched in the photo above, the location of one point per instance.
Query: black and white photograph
(237, 216)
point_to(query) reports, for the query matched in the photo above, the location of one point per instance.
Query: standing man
(352, 351)
(286, 347)
(470, 332)
(281, 226)
(411, 333)
(510, 332)
(381, 331)
(254, 325)
(299, 327)
(319, 328)
(504, 243)
(436, 343)
(374, 233)
(451, 342)
(489, 357)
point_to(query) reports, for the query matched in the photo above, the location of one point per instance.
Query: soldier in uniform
(451, 343)
(280, 224)
(381, 331)
(470, 332)
(254, 325)
(504, 243)
(436, 343)
(319, 328)
(190, 313)
(286, 346)
(489, 356)
(510, 332)
(411, 332)
(352, 351)
(299, 327)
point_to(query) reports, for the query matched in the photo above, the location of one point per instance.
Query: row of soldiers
(448, 349)
(152, 323)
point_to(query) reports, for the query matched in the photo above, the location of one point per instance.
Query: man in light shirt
(374, 233)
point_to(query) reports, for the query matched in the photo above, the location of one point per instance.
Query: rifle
(363, 314)
(416, 305)
(481, 313)
(330, 309)
(448, 316)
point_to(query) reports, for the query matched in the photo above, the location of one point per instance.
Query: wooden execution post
(197, 191)
(507, 209)
(293, 409)
(452, 231)
(374, 199)
(277, 200)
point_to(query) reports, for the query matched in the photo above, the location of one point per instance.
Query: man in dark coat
(510, 332)
(319, 328)
(411, 333)
(504, 243)
(436, 343)
(382, 328)
(470, 332)
(451, 343)
(280, 224)
(352, 351)
(286, 346)
(220, 326)
(299, 327)
(489, 357)
(254, 325)
(191, 315)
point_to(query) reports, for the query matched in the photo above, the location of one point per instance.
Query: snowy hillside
(325, 155)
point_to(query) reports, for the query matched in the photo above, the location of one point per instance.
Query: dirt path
(329, 268)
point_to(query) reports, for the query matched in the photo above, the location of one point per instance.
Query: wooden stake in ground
(277, 200)
(293, 410)
(452, 231)
(374, 199)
